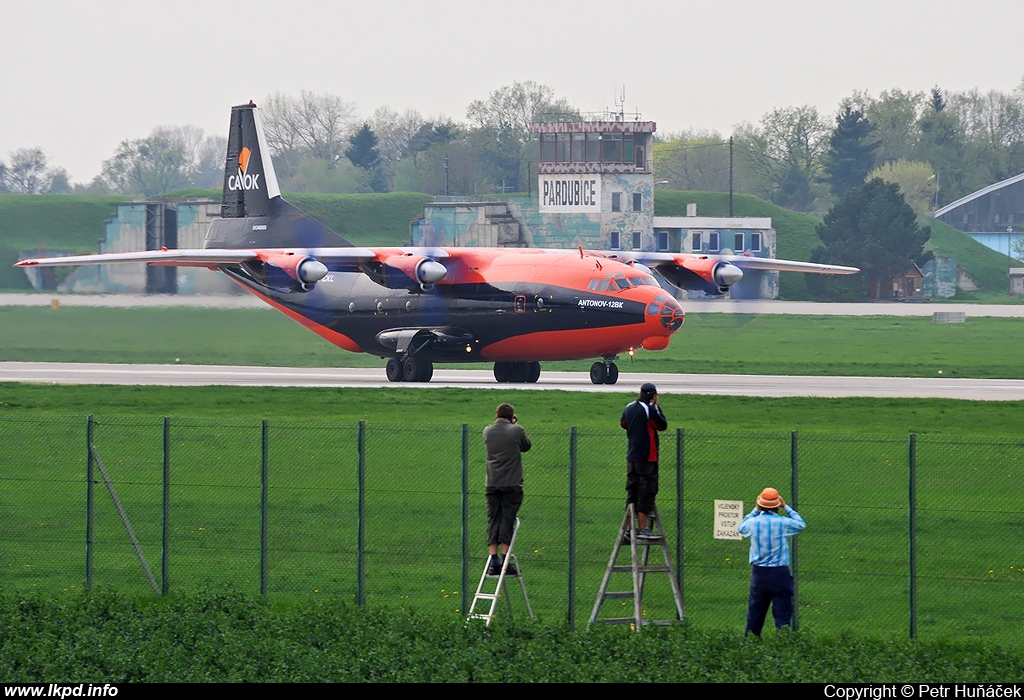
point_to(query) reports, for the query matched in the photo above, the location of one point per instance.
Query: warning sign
(728, 515)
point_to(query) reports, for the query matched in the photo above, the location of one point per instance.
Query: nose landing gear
(605, 372)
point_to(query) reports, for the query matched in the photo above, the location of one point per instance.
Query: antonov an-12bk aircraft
(515, 307)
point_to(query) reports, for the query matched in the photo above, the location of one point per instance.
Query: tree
(504, 119)
(362, 150)
(872, 228)
(171, 157)
(784, 154)
(943, 144)
(394, 132)
(693, 160)
(916, 181)
(311, 126)
(894, 115)
(851, 152)
(28, 174)
(362, 153)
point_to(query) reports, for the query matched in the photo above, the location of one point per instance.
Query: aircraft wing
(714, 274)
(747, 262)
(178, 257)
(203, 257)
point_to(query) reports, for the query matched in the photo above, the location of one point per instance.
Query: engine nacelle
(287, 269)
(406, 271)
(702, 274)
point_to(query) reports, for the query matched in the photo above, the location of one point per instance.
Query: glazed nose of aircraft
(664, 317)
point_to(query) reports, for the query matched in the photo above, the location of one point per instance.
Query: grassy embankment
(59, 222)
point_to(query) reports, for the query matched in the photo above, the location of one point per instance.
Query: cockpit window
(593, 285)
(622, 282)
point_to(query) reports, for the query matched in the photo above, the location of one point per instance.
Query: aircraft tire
(502, 372)
(534, 373)
(520, 373)
(597, 373)
(393, 370)
(613, 374)
(414, 370)
(428, 371)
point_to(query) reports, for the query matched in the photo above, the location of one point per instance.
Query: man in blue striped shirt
(770, 581)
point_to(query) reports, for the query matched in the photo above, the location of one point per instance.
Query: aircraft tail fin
(249, 178)
(253, 212)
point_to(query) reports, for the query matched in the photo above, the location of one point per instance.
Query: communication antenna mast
(620, 106)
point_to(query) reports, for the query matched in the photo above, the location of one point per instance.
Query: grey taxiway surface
(718, 384)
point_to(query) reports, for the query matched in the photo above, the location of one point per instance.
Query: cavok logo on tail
(243, 180)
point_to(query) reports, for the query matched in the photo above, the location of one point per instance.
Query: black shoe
(511, 570)
(494, 566)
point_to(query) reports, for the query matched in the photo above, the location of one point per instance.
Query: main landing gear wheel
(516, 372)
(533, 373)
(602, 373)
(417, 370)
(393, 370)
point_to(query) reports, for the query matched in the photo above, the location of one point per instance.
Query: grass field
(707, 343)
(852, 492)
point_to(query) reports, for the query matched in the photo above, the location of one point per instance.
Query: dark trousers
(769, 585)
(641, 485)
(502, 506)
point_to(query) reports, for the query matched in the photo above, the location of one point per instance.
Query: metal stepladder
(639, 568)
(500, 589)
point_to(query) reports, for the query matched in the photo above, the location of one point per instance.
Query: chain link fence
(915, 535)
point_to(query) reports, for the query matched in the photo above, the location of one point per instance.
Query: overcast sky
(78, 78)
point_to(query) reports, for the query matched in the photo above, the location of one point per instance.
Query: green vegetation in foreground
(707, 343)
(226, 637)
(553, 410)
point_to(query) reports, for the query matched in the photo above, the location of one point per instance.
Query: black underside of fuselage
(351, 304)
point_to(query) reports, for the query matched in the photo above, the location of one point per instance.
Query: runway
(716, 384)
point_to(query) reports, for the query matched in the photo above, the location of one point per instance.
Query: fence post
(165, 558)
(263, 506)
(571, 612)
(912, 498)
(794, 542)
(90, 422)
(465, 517)
(680, 511)
(361, 515)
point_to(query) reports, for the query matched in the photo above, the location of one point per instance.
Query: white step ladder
(500, 589)
(639, 568)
